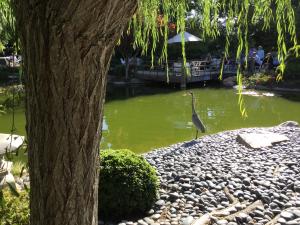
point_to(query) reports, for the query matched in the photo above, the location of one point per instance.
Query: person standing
(261, 53)
(252, 52)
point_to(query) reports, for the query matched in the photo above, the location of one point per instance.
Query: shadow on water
(295, 97)
(117, 92)
(123, 92)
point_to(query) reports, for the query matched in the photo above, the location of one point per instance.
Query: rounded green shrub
(128, 184)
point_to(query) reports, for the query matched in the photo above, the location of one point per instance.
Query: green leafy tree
(67, 47)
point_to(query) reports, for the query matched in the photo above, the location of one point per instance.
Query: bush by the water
(14, 209)
(259, 79)
(128, 184)
(11, 96)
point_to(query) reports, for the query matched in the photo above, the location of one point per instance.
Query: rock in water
(289, 124)
(229, 81)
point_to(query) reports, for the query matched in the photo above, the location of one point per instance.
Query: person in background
(276, 61)
(252, 52)
(261, 53)
(268, 61)
(208, 59)
(274, 54)
(257, 59)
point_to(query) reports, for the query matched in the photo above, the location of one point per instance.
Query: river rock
(222, 222)
(293, 222)
(188, 220)
(155, 216)
(287, 215)
(160, 202)
(297, 186)
(142, 222)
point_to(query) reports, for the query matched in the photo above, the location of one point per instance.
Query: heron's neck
(193, 104)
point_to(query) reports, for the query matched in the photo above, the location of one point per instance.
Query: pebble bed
(236, 184)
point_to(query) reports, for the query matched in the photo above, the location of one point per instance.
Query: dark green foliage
(118, 70)
(292, 69)
(260, 79)
(14, 210)
(12, 96)
(7, 72)
(128, 184)
(11, 70)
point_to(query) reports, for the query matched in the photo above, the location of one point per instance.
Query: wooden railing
(198, 70)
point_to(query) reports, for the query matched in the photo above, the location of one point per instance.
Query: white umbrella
(187, 38)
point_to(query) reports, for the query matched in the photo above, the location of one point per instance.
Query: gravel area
(228, 182)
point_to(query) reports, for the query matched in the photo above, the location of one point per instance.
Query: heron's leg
(196, 133)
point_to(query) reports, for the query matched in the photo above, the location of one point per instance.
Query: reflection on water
(104, 125)
(143, 118)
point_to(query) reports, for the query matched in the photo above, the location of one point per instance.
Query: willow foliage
(236, 16)
(7, 24)
(235, 13)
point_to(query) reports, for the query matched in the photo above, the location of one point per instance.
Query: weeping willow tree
(237, 15)
(67, 47)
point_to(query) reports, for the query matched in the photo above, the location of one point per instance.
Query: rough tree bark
(67, 46)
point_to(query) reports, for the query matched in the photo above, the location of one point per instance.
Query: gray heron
(196, 119)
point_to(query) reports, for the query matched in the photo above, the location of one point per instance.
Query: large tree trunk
(67, 46)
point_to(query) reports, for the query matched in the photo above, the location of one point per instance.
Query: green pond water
(144, 118)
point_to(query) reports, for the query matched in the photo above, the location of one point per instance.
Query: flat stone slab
(9, 143)
(260, 140)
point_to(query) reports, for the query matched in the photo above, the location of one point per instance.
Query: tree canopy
(236, 16)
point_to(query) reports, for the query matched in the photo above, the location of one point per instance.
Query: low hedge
(128, 184)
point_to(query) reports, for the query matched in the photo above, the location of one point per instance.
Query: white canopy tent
(187, 38)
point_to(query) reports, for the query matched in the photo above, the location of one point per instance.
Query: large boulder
(262, 139)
